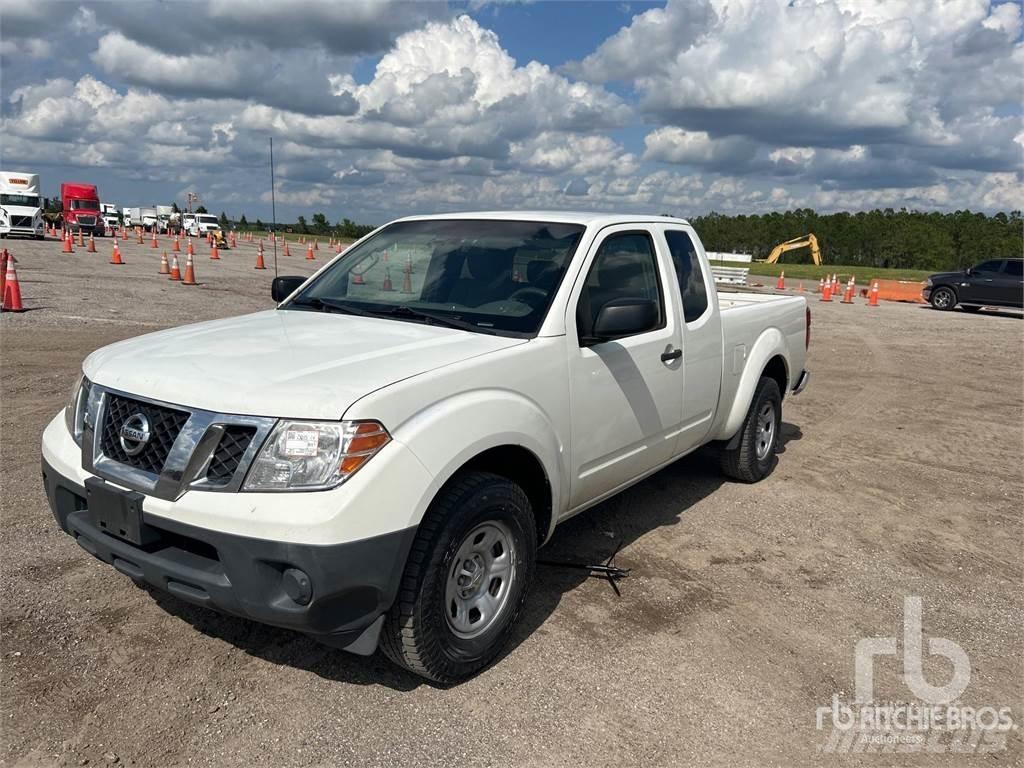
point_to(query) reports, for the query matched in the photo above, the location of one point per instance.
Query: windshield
(29, 200)
(206, 219)
(90, 205)
(494, 276)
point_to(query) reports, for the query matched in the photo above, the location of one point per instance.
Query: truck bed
(747, 317)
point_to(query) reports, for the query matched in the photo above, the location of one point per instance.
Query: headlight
(78, 405)
(314, 455)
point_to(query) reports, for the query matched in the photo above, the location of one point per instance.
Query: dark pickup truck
(993, 283)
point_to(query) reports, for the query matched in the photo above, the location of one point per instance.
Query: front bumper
(926, 292)
(352, 584)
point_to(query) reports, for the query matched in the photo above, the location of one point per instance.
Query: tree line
(881, 238)
(318, 226)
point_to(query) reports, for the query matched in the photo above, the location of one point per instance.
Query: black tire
(970, 308)
(743, 462)
(943, 298)
(417, 633)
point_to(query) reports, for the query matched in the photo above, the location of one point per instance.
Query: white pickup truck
(375, 461)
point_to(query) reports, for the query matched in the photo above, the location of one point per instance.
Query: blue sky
(381, 108)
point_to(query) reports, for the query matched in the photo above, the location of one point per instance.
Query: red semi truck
(82, 208)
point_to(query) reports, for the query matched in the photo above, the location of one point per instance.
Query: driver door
(626, 395)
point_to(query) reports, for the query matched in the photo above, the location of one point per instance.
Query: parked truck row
(22, 211)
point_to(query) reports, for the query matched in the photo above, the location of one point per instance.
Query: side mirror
(968, 271)
(284, 286)
(624, 317)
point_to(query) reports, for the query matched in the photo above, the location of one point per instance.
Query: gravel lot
(901, 475)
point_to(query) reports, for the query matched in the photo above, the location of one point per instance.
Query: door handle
(669, 356)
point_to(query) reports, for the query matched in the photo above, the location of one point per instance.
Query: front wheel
(943, 298)
(753, 458)
(465, 581)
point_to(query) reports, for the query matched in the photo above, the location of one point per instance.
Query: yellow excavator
(796, 242)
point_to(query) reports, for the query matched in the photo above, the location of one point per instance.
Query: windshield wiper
(433, 317)
(334, 305)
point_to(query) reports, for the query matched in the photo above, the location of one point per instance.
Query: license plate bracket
(118, 512)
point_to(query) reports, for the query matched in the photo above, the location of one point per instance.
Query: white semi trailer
(21, 211)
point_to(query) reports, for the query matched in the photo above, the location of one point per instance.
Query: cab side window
(990, 266)
(624, 268)
(689, 273)
(1014, 268)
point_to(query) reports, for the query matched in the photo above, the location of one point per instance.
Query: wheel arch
(500, 432)
(769, 356)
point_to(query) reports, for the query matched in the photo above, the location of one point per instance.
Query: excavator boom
(797, 242)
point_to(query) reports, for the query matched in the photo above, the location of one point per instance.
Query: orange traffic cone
(826, 293)
(164, 267)
(387, 280)
(781, 284)
(213, 251)
(124, 233)
(259, 258)
(177, 245)
(68, 247)
(191, 250)
(309, 253)
(835, 284)
(81, 239)
(851, 286)
(138, 234)
(316, 245)
(12, 289)
(190, 272)
(153, 243)
(175, 269)
(800, 288)
(115, 257)
(92, 245)
(821, 285)
(286, 253)
(873, 294)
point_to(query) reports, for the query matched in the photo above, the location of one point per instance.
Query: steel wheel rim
(942, 298)
(765, 431)
(480, 580)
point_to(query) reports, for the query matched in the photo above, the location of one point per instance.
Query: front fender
(770, 343)
(486, 418)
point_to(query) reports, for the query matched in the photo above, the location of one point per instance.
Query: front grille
(232, 446)
(164, 426)
(21, 221)
(86, 221)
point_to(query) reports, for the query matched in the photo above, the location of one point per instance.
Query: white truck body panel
(447, 395)
(21, 212)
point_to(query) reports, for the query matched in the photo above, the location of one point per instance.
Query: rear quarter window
(689, 273)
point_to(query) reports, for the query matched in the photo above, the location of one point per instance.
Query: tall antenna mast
(273, 204)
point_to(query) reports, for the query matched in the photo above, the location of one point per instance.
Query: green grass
(815, 273)
(294, 237)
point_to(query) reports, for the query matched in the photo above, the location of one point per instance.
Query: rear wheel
(466, 579)
(943, 298)
(753, 458)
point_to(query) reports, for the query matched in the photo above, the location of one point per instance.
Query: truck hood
(22, 210)
(281, 363)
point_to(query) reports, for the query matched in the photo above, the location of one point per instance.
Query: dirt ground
(901, 475)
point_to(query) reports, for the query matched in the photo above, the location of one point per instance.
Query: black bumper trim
(352, 583)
